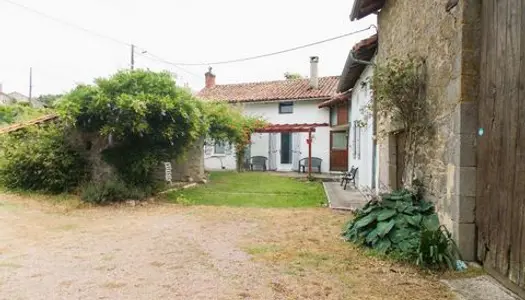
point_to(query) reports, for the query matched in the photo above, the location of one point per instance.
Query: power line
(67, 23)
(154, 57)
(178, 65)
(274, 53)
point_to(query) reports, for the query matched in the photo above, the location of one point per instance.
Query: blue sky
(179, 31)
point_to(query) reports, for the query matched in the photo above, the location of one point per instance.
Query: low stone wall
(188, 168)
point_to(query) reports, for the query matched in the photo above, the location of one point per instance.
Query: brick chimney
(210, 79)
(314, 77)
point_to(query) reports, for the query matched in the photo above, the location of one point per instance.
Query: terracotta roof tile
(293, 89)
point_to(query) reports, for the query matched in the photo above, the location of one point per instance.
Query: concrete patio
(350, 199)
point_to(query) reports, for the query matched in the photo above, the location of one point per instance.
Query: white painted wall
(304, 111)
(361, 96)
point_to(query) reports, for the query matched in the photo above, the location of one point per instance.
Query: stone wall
(188, 168)
(450, 44)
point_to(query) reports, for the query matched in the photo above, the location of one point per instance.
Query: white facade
(361, 137)
(269, 145)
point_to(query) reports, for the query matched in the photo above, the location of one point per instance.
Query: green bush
(114, 190)
(40, 159)
(406, 226)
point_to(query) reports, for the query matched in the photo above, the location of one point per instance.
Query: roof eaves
(364, 51)
(363, 8)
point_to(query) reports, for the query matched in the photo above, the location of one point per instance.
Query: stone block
(465, 236)
(467, 147)
(465, 118)
(463, 209)
(466, 181)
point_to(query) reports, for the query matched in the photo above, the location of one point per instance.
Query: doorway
(338, 151)
(286, 148)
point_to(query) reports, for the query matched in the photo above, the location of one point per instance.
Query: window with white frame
(219, 148)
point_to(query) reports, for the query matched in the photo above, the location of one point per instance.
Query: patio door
(296, 152)
(272, 151)
(338, 151)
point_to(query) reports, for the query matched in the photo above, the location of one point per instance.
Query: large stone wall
(450, 44)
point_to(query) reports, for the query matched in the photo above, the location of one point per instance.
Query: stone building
(446, 36)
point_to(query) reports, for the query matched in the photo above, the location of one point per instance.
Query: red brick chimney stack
(210, 79)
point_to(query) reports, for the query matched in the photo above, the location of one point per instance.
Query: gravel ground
(163, 251)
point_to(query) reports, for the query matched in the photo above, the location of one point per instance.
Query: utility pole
(132, 57)
(30, 84)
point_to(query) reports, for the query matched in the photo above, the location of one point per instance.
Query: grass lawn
(253, 189)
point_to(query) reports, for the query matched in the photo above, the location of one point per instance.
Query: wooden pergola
(306, 127)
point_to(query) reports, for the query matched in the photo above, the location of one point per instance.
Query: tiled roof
(365, 51)
(305, 127)
(339, 98)
(18, 126)
(293, 89)
(363, 8)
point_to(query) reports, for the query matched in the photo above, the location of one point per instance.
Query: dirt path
(173, 252)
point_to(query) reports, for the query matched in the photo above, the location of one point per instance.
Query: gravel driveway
(172, 252)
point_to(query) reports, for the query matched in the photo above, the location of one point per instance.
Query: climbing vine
(148, 119)
(399, 87)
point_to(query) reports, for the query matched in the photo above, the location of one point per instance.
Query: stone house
(474, 168)
(447, 39)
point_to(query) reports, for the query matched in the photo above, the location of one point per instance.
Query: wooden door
(500, 195)
(338, 151)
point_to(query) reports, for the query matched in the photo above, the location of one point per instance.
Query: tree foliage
(291, 75)
(40, 159)
(149, 119)
(19, 113)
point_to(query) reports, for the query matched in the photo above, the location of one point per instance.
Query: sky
(179, 31)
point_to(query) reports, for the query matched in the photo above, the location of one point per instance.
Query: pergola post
(310, 153)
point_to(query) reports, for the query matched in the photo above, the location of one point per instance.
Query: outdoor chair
(316, 164)
(349, 177)
(258, 162)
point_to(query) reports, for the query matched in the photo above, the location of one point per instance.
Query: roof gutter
(278, 100)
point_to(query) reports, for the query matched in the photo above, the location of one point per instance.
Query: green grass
(252, 189)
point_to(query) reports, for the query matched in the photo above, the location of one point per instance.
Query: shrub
(40, 159)
(404, 225)
(114, 190)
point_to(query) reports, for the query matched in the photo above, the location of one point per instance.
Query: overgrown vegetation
(15, 113)
(406, 226)
(40, 159)
(399, 87)
(138, 120)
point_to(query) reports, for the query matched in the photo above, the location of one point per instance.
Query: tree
(290, 75)
(49, 100)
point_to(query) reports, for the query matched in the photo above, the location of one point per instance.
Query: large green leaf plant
(402, 223)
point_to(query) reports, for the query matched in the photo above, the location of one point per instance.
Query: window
(219, 148)
(354, 141)
(333, 116)
(286, 148)
(286, 107)
(339, 140)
